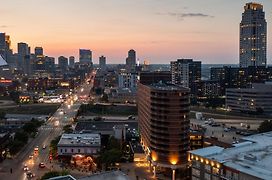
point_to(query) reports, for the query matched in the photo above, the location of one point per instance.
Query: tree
(98, 91)
(29, 128)
(14, 95)
(259, 110)
(105, 98)
(98, 118)
(265, 126)
(112, 153)
(32, 126)
(24, 80)
(53, 146)
(15, 146)
(21, 136)
(113, 144)
(2, 115)
(52, 174)
(110, 157)
(67, 129)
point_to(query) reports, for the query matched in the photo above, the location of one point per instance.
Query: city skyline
(155, 29)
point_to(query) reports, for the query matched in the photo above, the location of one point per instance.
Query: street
(12, 169)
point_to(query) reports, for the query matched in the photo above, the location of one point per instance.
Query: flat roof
(67, 177)
(208, 151)
(253, 156)
(99, 126)
(256, 88)
(110, 175)
(80, 140)
(167, 86)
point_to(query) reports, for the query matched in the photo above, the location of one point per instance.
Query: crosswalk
(51, 128)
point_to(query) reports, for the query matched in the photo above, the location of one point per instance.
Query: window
(78, 150)
(215, 170)
(65, 150)
(207, 176)
(195, 178)
(207, 168)
(235, 176)
(61, 150)
(72, 150)
(195, 172)
(215, 178)
(228, 174)
(196, 164)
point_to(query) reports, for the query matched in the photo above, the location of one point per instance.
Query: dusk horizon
(158, 31)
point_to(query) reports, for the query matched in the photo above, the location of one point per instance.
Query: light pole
(173, 174)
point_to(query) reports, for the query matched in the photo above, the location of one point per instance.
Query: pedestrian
(10, 170)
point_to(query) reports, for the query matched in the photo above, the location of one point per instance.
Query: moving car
(29, 174)
(25, 168)
(41, 165)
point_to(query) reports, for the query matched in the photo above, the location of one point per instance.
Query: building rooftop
(256, 87)
(167, 87)
(67, 177)
(208, 151)
(80, 140)
(111, 175)
(253, 156)
(99, 126)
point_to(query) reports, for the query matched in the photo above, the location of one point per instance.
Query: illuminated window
(207, 168)
(215, 170)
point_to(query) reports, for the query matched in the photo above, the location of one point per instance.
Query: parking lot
(227, 130)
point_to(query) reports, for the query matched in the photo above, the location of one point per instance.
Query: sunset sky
(159, 30)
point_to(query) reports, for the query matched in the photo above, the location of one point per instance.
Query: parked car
(226, 129)
(215, 125)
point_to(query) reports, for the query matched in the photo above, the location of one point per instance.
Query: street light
(173, 174)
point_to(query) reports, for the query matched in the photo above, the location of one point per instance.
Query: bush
(15, 146)
(265, 126)
(32, 126)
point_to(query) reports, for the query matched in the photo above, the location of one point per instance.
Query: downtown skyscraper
(85, 56)
(131, 60)
(253, 36)
(187, 73)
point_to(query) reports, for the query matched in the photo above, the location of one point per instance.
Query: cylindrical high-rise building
(163, 112)
(253, 36)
